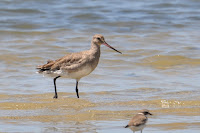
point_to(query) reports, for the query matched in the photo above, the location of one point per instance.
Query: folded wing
(68, 62)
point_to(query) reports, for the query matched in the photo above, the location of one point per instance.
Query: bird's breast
(79, 73)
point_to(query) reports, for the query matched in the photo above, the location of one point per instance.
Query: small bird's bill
(111, 47)
(150, 114)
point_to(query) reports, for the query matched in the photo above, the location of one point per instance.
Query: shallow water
(158, 70)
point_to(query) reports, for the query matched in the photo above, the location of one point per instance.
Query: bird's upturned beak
(150, 114)
(111, 47)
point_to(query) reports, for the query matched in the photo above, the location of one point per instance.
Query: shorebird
(138, 122)
(75, 65)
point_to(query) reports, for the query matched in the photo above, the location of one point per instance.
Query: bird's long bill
(111, 47)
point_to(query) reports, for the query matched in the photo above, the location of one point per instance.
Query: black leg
(77, 89)
(54, 81)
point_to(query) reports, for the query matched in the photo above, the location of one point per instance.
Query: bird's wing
(68, 62)
(138, 120)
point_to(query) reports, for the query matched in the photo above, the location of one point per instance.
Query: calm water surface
(158, 70)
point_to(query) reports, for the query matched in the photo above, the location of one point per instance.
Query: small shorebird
(75, 65)
(138, 122)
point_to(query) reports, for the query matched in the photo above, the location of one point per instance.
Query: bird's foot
(55, 97)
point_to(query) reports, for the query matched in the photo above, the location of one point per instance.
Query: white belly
(78, 74)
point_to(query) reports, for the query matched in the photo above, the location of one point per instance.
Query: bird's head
(145, 112)
(99, 40)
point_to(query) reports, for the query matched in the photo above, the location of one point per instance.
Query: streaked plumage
(75, 65)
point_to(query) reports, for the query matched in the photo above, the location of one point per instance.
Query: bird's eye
(98, 38)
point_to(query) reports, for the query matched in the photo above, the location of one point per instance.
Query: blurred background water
(159, 68)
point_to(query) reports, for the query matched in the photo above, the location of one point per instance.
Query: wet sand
(47, 114)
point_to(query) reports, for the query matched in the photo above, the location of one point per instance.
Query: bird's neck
(94, 54)
(95, 48)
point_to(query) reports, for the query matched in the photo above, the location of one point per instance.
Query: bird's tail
(126, 126)
(45, 67)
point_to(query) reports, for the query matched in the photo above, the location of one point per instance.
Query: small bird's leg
(141, 131)
(54, 81)
(77, 88)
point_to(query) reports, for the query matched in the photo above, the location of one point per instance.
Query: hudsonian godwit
(75, 65)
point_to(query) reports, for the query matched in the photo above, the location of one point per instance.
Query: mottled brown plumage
(72, 62)
(75, 65)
